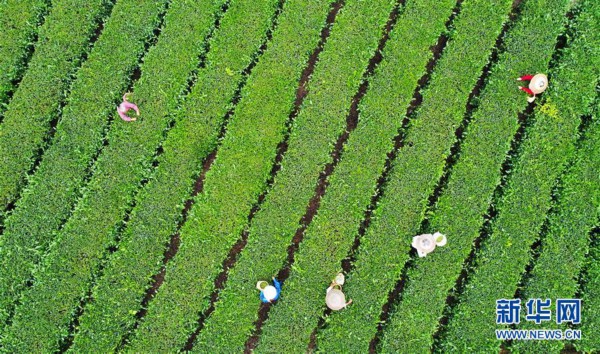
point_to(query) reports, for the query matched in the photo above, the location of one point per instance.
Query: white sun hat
(424, 244)
(335, 298)
(270, 292)
(538, 83)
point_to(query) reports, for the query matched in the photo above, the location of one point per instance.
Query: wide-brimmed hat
(538, 83)
(335, 298)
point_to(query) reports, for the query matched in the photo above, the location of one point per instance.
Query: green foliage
(19, 21)
(53, 189)
(63, 41)
(565, 244)
(119, 293)
(332, 233)
(316, 129)
(85, 236)
(65, 275)
(412, 179)
(564, 248)
(236, 178)
(548, 146)
(472, 180)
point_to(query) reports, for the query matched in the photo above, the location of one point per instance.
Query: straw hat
(335, 298)
(424, 244)
(538, 84)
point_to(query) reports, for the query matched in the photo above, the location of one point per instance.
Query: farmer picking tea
(269, 293)
(125, 106)
(538, 83)
(426, 243)
(335, 298)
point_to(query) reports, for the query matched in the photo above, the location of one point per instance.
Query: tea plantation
(297, 139)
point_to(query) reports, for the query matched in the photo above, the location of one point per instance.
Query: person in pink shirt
(124, 107)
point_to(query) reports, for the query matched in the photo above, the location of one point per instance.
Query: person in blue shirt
(269, 293)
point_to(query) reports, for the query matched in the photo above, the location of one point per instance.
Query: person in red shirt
(538, 83)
